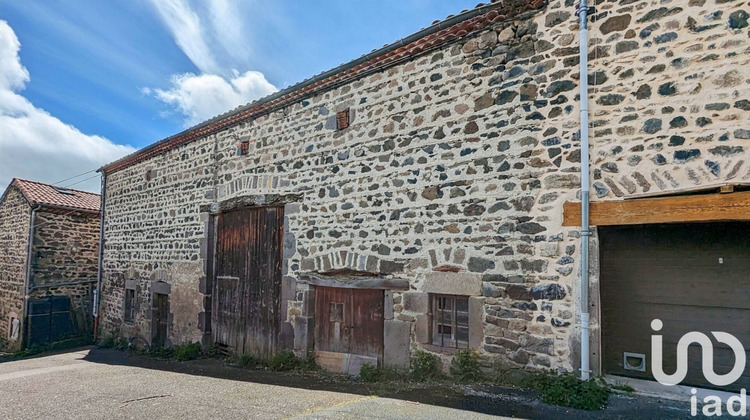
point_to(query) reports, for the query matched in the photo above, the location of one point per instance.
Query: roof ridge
(49, 195)
(52, 185)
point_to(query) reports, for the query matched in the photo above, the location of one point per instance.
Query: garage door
(693, 277)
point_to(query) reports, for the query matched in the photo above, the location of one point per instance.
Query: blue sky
(85, 82)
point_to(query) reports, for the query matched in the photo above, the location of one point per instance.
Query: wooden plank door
(160, 319)
(348, 328)
(247, 286)
(366, 317)
(332, 313)
(227, 308)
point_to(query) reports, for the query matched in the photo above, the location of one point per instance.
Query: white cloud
(200, 97)
(188, 32)
(36, 145)
(219, 87)
(228, 29)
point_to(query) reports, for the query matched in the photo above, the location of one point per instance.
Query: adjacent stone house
(425, 196)
(49, 253)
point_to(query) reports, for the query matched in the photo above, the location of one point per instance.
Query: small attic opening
(342, 119)
(244, 148)
(62, 190)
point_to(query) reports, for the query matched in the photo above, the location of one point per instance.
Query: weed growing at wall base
(425, 366)
(188, 351)
(568, 391)
(465, 367)
(286, 360)
(371, 373)
(112, 341)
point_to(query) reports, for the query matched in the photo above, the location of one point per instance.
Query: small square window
(148, 175)
(129, 305)
(342, 119)
(244, 148)
(450, 321)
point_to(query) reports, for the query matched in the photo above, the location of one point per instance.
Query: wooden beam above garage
(688, 208)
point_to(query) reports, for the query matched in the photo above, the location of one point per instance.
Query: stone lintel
(447, 283)
(253, 201)
(354, 282)
(161, 288)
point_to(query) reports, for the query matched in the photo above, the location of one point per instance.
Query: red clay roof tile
(40, 193)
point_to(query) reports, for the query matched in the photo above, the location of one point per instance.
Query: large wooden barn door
(247, 285)
(348, 328)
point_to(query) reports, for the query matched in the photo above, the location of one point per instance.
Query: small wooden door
(160, 308)
(247, 287)
(348, 328)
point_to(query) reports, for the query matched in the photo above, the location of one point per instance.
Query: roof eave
(68, 208)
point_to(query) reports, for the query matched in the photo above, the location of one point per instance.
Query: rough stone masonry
(453, 172)
(61, 262)
(14, 236)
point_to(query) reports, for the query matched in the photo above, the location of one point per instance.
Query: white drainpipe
(97, 291)
(583, 42)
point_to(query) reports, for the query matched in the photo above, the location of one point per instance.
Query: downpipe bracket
(580, 8)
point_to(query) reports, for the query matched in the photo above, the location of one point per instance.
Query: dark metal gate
(247, 286)
(50, 319)
(348, 328)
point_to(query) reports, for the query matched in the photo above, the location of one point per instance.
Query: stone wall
(65, 248)
(672, 96)
(455, 167)
(153, 233)
(14, 239)
(65, 259)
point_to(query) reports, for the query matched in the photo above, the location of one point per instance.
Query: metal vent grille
(634, 361)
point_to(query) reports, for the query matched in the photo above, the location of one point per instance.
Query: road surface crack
(128, 402)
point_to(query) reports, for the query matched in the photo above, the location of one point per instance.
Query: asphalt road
(95, 383)
(73, 385)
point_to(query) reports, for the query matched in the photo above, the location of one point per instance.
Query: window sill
(440, 349)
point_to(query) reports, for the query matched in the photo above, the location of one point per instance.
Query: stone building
(46, 287)
(425, 196)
